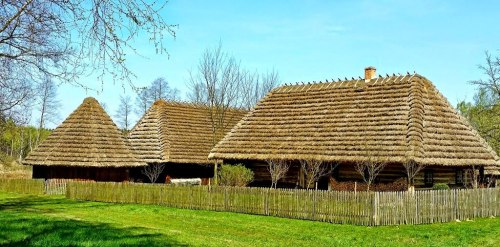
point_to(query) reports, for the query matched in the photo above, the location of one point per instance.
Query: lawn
(56, 221)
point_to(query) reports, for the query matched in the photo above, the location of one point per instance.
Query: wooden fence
(24, 186)
(361, 208)
(56, 186)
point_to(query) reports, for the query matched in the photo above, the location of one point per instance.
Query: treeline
(16, 141)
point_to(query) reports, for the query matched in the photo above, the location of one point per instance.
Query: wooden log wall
(347, 172)
(112, 174)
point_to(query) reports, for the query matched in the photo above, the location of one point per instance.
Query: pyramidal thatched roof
(391, 119)
(177, 132)
(87, 138)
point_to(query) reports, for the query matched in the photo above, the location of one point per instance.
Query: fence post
(225, 198)
(266, 201)
(315, 202)
(375, 208)
(455, 203)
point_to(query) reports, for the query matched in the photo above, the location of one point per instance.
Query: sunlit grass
(47, 221)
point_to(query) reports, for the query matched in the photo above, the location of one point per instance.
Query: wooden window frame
(459, 176)
(428, 177)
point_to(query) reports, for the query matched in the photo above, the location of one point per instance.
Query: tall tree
(143, 101)
(220, 78)
(159, 89)
(16, 93)
(484, 112)
(484, 115)
(256, 86)
(47, 104)
(491, 84)
(220, 83)
(124, 113)
(63, 39)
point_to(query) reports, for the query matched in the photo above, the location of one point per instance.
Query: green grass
(56, 221)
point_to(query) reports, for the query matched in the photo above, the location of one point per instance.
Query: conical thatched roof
(177, 132)
(390, 119)
(87, 138)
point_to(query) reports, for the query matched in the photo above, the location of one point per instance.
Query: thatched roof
(389, 119)
(492, 170)
(87, 138)
(177, 132)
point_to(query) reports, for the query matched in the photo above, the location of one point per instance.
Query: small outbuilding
(179, 136)
(394, 119)
(86, 146)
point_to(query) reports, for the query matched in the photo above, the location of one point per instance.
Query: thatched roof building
(87, 138)
(391, 119)
(174, 132)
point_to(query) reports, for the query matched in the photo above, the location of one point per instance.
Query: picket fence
(344, 207)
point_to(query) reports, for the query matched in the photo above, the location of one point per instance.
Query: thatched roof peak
(393, 118)
(90, 100)
(87, 138)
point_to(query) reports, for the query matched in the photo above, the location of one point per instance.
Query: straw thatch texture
(177, 132)
(492, 170)
(87, 138)
(390, 119)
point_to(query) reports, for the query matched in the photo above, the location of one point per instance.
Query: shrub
(235, 175)
(440, 186)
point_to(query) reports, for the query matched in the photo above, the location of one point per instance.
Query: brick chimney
(370, 73)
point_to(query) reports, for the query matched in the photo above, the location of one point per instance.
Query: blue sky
(314, 40)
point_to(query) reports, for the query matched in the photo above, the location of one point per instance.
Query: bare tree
(369, 169)
(221, 83)
(473, 176)
(153, 171)
(160, 89)
(64, 39)
(277, 170)
(412, 168)
(219, 78)
(47, 104)
(197, 93)
(123, 114)
(314, 170)
(143, 101)
(492, 71)
(256, 86)
(16, 93)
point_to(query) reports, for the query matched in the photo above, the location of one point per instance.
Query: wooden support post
(215, 172)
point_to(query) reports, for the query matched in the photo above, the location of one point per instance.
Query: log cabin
(394, 120)
(86, 146)
(180, 136)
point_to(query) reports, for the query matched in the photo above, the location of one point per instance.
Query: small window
(428, 177)
(459, 176)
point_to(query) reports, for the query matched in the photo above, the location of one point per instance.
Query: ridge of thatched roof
(87, 138)
(178, 132)
(392, 119)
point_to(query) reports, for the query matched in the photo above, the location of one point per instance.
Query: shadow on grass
(21, 224)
